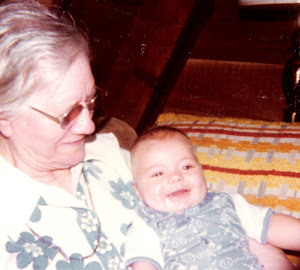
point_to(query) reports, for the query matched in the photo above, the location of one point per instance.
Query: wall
(134, 40)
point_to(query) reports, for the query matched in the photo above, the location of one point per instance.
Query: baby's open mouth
(177, 193)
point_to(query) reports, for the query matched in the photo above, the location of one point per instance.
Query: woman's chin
(75, 158)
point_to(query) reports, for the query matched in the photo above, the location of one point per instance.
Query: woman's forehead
(69, 86)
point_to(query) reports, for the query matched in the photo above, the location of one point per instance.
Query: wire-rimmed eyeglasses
(68, 117)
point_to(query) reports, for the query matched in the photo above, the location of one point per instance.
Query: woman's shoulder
(105, 148)
(102, 139)
(101, 146)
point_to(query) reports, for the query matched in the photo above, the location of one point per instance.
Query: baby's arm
(284, 232)
(268, 256)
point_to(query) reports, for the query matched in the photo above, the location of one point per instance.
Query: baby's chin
(177, 206)
(180, 200)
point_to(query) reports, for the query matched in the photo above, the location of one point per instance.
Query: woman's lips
(76, 142)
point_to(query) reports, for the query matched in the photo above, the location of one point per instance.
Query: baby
(197, 229)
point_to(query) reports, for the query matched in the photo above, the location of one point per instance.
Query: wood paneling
(229, 89)
(133, 41)
(227, 36)
(143, 56)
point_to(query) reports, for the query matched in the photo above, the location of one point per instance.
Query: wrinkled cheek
(69, 155)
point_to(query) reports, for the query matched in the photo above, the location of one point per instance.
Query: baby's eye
(157, 174)
(187, 167)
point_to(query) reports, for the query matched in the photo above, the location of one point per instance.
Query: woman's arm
(270, 257)
(142, 266)
(283, 233)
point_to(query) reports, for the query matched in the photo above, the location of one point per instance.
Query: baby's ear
(5, 127)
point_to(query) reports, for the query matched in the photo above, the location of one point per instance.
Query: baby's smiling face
(167, 175)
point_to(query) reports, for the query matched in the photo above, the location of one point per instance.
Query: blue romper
(206, 236)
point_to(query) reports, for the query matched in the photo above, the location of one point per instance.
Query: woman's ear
(5, 127)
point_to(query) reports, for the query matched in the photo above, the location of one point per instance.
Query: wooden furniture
(146, 63)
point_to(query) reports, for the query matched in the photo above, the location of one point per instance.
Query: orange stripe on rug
(283, 147)
(290, 204)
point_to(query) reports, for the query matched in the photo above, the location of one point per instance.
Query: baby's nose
(175, 177)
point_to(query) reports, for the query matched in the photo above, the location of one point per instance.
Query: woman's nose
(84, 123)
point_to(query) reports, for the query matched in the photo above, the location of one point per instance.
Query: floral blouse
(44, 227)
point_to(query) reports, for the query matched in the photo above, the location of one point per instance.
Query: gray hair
(34, 42)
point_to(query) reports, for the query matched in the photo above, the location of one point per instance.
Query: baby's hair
(158, 133)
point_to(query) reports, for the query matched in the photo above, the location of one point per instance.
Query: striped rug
(258, 159)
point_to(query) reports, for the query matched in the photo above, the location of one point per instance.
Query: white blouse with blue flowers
(44, 227)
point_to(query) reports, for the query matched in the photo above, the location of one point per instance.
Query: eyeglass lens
(72, 115)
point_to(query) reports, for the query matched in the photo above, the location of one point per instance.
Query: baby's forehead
(149, 144)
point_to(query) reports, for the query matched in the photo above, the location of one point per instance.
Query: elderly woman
(65, 203)
(51, 203)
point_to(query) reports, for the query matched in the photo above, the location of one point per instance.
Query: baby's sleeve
(142, 245)
(254, 219)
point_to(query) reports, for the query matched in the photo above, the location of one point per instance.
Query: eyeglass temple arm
(57, 120)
